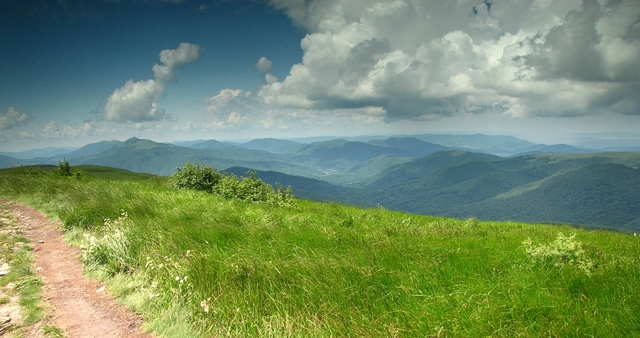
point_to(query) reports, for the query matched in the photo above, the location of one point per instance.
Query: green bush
(228, 186)
(250, 188)
(253, 189)
(196, 177)
(282, 197)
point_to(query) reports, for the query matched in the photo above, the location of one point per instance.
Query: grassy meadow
(196, 264)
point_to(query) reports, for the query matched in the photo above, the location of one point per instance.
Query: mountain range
(487, 177)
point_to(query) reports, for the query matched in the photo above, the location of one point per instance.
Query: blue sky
(79, 71)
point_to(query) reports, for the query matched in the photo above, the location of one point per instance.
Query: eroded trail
(76, 305)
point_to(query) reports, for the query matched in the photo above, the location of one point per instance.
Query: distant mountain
(211, 144)
(349, 163)
(409, 146)
(497, 145)
(92, 149)
(9, 162)
(555, 149)
(272, 145)
(187, 144)
(611, 141)
(362, 173)
(421, 168)
(162, 158)
(339, 149)
(38, 153)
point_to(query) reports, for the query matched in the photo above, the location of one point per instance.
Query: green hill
(595, 190)
(195, 264)
(601, 194)
(162, 159)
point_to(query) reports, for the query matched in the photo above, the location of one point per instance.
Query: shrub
(282, 197)
(64, 168)
(250, 188)
(196, 177)
(228, 186)
(565, 250)
(253, 189)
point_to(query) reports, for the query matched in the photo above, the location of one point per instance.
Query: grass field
(198, 265)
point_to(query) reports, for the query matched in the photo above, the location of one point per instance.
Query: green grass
(198, 265)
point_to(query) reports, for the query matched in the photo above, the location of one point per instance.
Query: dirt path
(76, 305)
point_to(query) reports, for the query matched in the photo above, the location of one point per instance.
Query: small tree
(64, 168)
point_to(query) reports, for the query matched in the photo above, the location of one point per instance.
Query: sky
(73, 72)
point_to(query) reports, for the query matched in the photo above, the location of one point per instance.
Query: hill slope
(598, 190)
(601, 194)
(163, 159)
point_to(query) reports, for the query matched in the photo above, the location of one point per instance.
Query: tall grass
(197, 264)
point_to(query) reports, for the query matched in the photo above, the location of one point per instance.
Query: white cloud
(138, 101)
(265, 66)
(188, 127)
(423, 59)
(232, 108)
(23, 135)
(53, 131)
(240, 110)
(12, 118)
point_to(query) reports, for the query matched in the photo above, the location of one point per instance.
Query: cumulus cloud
(23, 135)
(138, 101)
(232, 108)
(53, 131)
(12, 118)
(235, 109)
(419, 59)
(265, 66)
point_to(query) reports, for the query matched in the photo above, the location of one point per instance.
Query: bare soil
(76, 305)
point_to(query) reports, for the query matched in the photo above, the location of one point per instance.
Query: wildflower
(205, 305)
